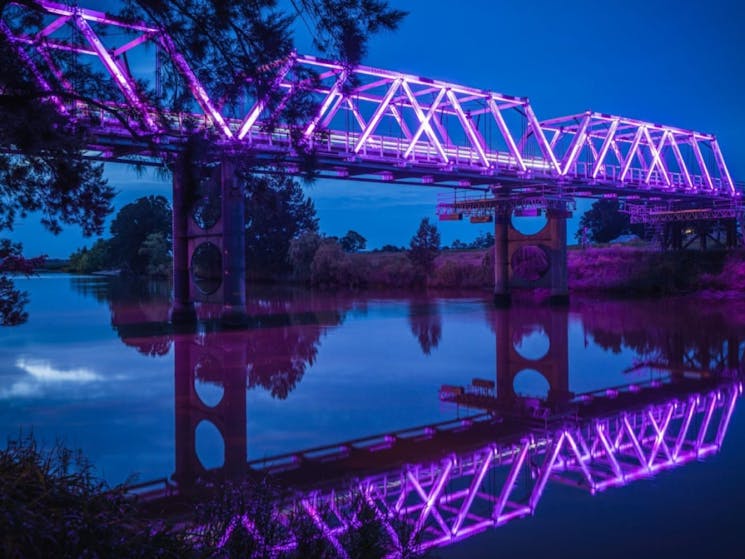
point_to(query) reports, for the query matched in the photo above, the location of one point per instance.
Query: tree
(302, 251)
(156, 251)
(231, 46)
(277, 211)
(42, 168)
(94, 259)
(484, 240)
(353, 242)
(424, 247)
(12, 300)
(604, 221)
(131, 227)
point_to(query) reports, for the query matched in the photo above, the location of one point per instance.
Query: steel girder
(624, 151)
(369, 124)
(655, 214)
(451, 499)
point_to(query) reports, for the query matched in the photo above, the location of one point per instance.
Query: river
(98, 367)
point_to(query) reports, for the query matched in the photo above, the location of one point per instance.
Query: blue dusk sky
(679, 63)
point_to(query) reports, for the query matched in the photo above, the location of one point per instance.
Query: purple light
(444, 501)
(455, 136)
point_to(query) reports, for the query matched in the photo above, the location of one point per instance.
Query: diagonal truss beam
(459, 141)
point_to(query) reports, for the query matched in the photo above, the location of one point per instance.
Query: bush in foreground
(53, 506)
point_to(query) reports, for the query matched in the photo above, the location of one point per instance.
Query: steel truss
(448, 205)
(370, 124)
(653, 214)
(445, 501)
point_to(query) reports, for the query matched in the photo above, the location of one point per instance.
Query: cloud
(43, 371)
(43, 374)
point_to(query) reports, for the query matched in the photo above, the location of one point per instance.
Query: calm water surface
(98, 367)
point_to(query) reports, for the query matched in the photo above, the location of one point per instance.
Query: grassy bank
(612, 270)
(626, 270)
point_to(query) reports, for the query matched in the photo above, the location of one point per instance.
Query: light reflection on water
(98, 366)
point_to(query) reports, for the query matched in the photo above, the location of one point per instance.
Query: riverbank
(611, 270)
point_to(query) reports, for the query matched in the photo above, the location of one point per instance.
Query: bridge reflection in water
(448, 481)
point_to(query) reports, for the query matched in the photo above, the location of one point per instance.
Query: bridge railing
(366, 115)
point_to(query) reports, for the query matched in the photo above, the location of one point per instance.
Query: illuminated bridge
(451, 481)
(367, 124)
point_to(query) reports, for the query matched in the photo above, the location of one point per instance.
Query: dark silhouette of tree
(277, 211)
(232, 47)
(425, 246)
(302, 251)
(132, 226)
(604, 222)
(353, 242)
(42, 166)
(426, 324)
(12, 300)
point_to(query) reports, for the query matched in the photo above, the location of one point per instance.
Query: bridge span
(450, 481)
(364, 124)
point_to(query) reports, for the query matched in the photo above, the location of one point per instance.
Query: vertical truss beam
(723, 170)
(607, 142)
(681, 162)
(577, 142)
(701, 163)
(632, 151)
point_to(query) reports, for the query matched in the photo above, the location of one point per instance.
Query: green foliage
(133, 224)
(302, 251)
(277, 211)
(353, 242)
(395, 271)
(333, 267)
(53, 506)
(89, 260)
(424, 247)
(157, 253)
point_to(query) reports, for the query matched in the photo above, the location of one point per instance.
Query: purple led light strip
(454, 498)
(455, 128)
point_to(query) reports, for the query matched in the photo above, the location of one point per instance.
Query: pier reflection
(450, 480)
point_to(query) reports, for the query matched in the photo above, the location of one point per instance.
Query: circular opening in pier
(206, 212)
(206, 384)
(209, 444)
(206, 268)
(529, 222)
(529, 263)
(531, 384)
(531, 342)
